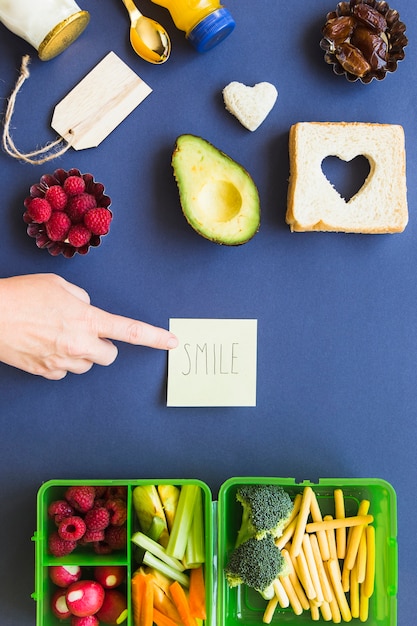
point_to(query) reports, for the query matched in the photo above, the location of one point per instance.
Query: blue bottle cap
(211, 30)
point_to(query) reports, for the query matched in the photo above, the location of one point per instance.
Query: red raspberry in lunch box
(98, 220)
(116, 491)
(72, 528)
(81, 497)
(97, 518)
(92, 536)
(100, 490)
(39, 210)
(60, 547)
(79, 235)
(74, 185)
(59, 509)
(118, 511)
(78, 206)
(57, 226)
(116, 537)
(56, 197)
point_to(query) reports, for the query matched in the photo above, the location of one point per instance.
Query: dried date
(352, 59)
(339, 29)
(373, 47)
(370, 17)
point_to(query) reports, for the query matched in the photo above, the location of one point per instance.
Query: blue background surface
(337, 332)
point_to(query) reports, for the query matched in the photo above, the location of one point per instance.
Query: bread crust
(313, 204)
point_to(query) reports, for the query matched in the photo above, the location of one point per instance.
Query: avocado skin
(218, 197)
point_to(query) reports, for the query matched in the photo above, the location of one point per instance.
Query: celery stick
(151, 560)
(182, 521)
(195, 552)
(141, 540)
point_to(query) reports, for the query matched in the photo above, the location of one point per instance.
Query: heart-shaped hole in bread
(347, 177)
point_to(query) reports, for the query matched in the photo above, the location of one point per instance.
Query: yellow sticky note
(215, 363)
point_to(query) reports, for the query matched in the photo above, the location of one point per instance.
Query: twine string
(50, 151)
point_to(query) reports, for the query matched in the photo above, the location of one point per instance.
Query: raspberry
(81, 497)
(74, 185)
(39, 210)
(57, 226)
(97, 519)
(116, 491)
(118, 511)
(56, 197)
(91, 536)
(59, 510)
(72, 528)
(79, 235)
(116, 537)
(79, 205)
(60, 547)
(98, 221)
(100, 491)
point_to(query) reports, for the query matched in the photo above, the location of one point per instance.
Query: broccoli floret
(256, 563)
(266, 510)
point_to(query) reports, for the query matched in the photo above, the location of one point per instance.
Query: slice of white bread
(380, 206)
(250, 105)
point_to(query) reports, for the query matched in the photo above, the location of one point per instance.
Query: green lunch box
(225, 606)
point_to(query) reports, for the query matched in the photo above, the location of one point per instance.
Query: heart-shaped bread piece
(250, 105)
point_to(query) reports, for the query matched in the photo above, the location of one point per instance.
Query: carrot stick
(181, 602)
(162, 620)
(197, 593)
(147, 605)
(138, 592)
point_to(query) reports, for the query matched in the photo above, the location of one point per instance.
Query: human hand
(48, 327)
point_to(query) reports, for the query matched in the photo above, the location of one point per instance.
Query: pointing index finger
(119, 328)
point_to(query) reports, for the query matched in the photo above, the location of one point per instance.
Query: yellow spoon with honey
(148, 38)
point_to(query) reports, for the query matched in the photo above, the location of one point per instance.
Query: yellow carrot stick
(325, 611)
(280, 593)
(295, 581)
(331, 539)
(354, 591)
(314, 611)
(292, 595)
(270, 610)
(304, 575)
(286, 536)
(321, 534)
(354, 540)
(334, 571)
(363, 605)
(339, 504)
(302, 518)
(325, 585)
(368, 584)
(354, 520)
(362, 557)
(312, 568)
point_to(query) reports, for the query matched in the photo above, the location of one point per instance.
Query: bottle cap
(211, 30)
(62, 35)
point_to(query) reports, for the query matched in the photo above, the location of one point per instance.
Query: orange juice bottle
(205, 22)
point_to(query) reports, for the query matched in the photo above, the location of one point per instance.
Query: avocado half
(218, 197)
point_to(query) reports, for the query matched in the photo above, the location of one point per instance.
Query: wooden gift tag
(103, 99)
